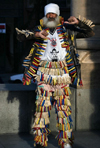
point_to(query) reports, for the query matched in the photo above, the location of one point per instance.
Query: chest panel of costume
(54, 51)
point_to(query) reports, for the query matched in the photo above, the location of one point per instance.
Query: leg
(64, 121)
(40, 126)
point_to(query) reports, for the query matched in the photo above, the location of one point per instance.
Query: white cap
(53, 8)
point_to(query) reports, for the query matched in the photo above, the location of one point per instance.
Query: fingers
(72, 20)
(43, 34)
(66, 22)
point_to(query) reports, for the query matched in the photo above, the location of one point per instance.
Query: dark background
(23, 14)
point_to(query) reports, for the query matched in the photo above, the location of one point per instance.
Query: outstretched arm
(23, 35)
(83, 28)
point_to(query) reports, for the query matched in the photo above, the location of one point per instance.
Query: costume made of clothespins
(54, 64)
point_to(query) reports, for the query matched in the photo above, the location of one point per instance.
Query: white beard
(51, 24)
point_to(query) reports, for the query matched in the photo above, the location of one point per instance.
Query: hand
(42, 34)
(72, 20)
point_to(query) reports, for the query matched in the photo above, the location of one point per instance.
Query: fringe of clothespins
(41, 136)
(63, 110)
(59, 64)
(72, 70)
(40, 126)
(61, 96)
(87, 22)
(31, 69)
(64, 121)
(26, 32)
(49, 79)
(59, 92)
(40, 44)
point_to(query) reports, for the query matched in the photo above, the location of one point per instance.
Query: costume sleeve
(30, 62)
(83, 30)
(30, 67)
(23, 35)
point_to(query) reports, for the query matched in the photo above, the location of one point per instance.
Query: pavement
(83, 139)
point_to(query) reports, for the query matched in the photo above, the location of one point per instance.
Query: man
(53, 62)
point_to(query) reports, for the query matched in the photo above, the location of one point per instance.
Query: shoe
(39, 146)
(67, 146)
(69, 134)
